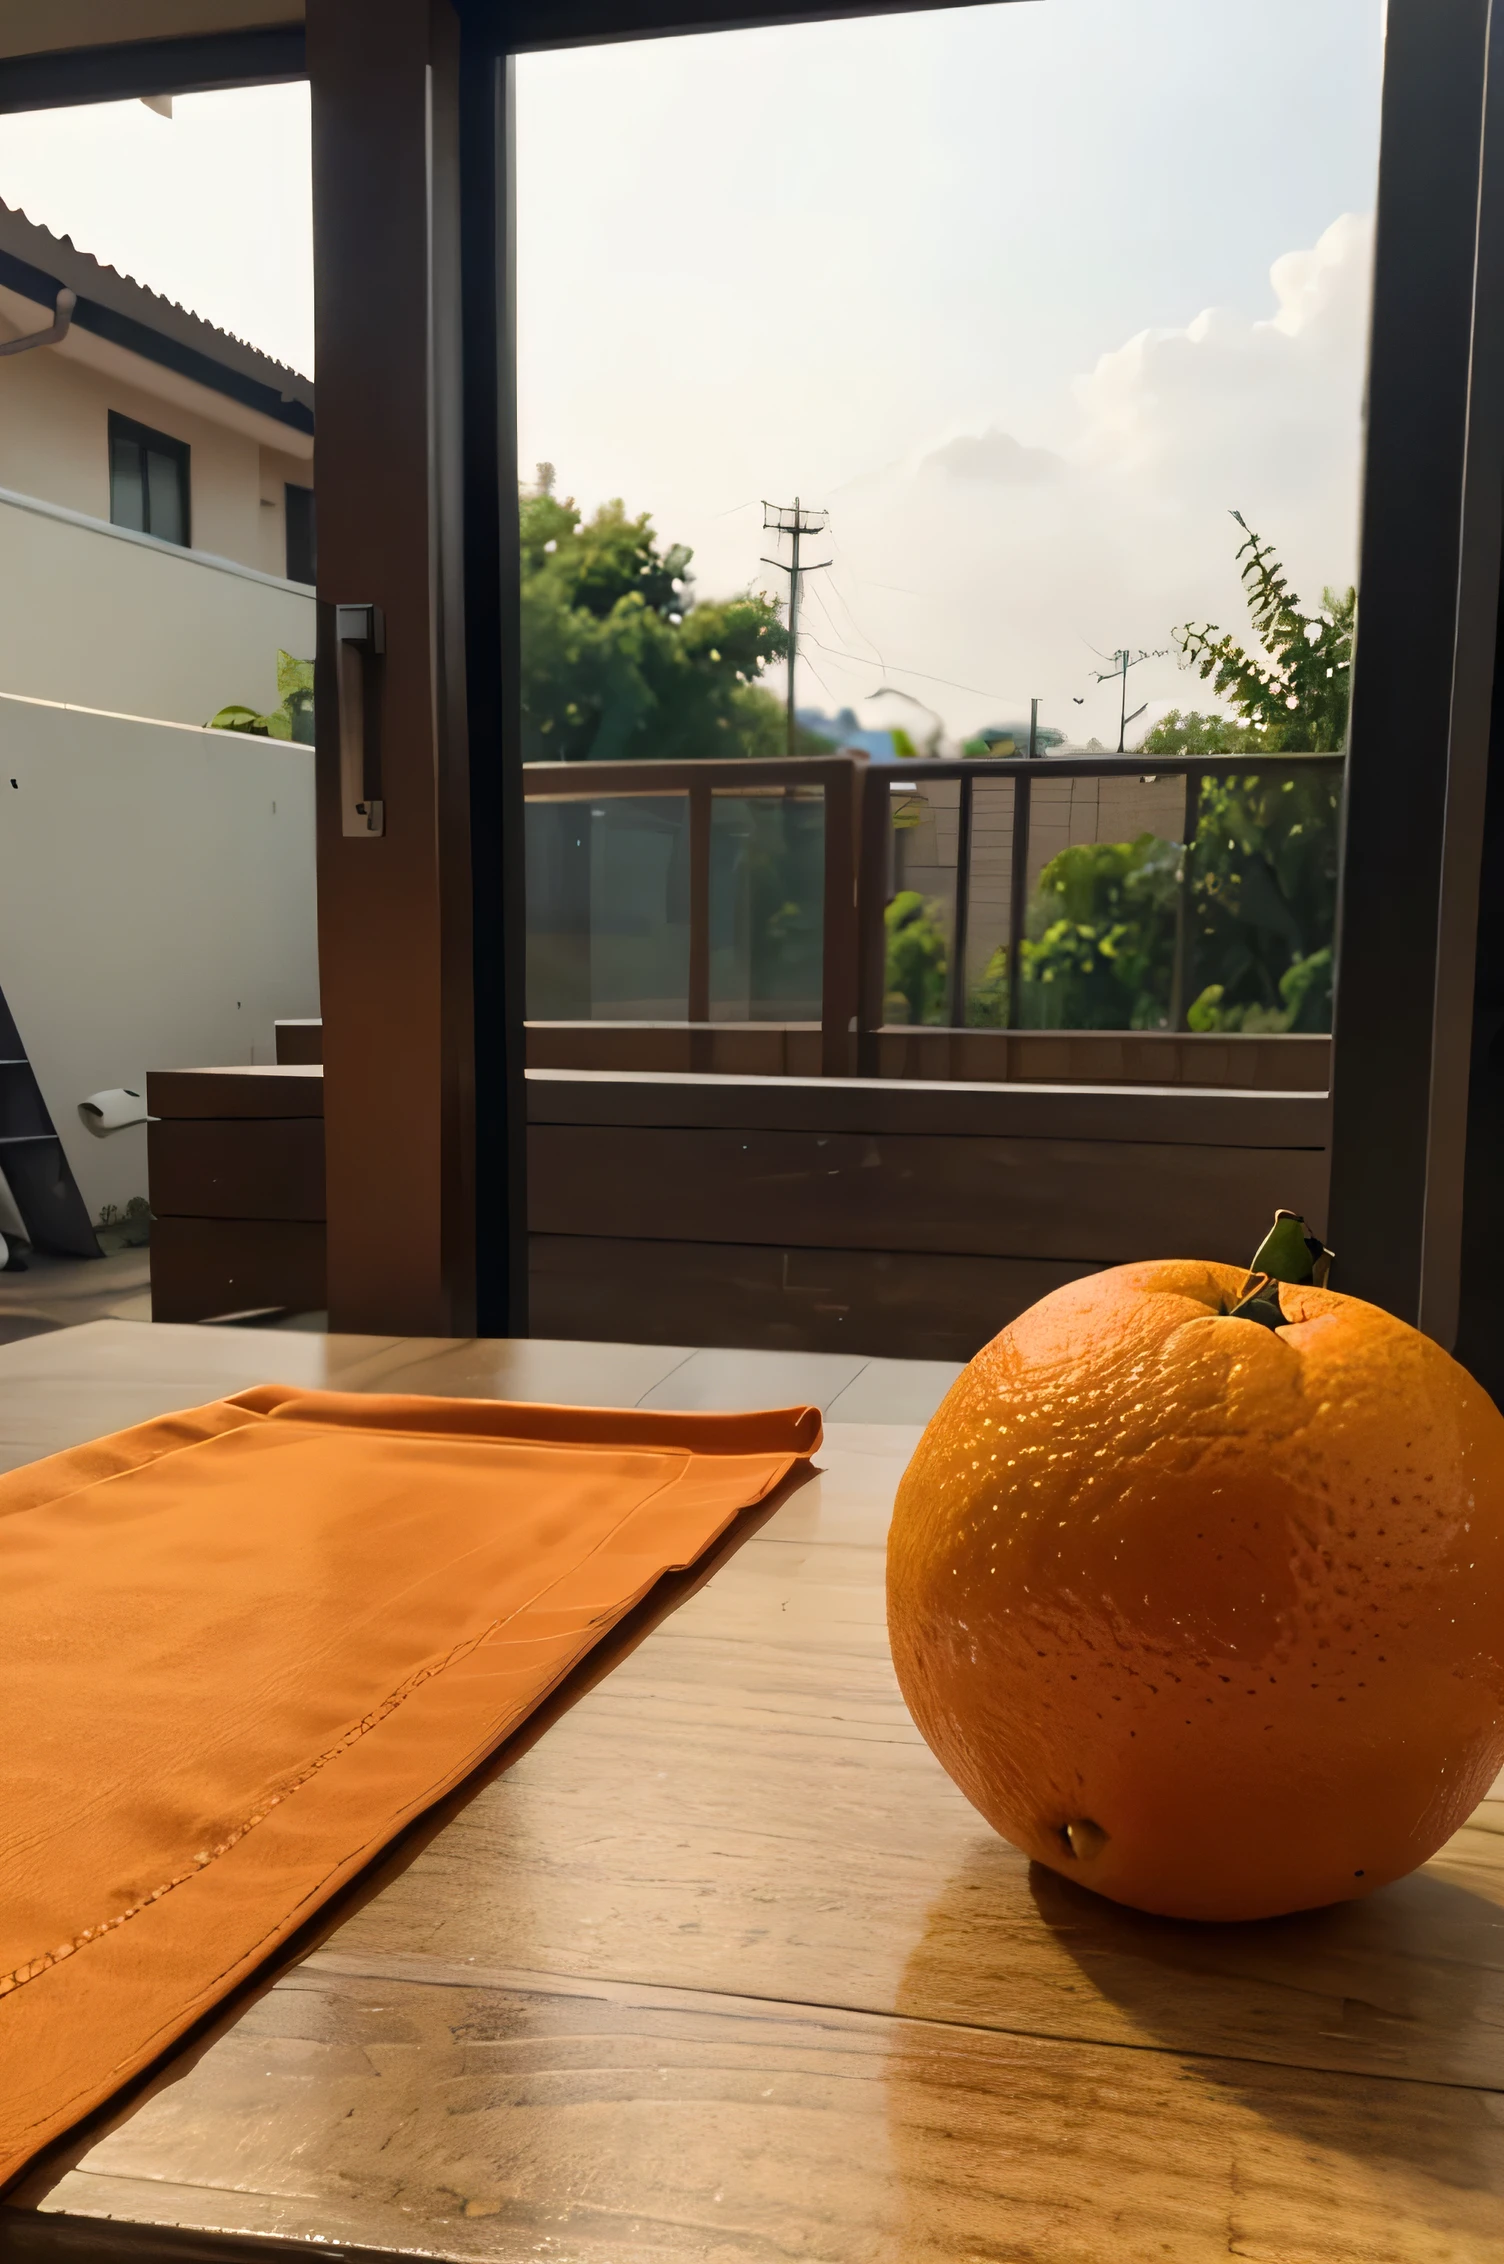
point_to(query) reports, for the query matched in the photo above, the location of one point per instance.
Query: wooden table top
(715, 1964)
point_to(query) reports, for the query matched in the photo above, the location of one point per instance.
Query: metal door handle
(359, 642)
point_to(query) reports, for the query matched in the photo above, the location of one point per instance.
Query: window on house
(148, 480)
(302, 547)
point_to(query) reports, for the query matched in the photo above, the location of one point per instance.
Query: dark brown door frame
(1424, 669)
(395, 939)
(1427, 636)
(421, 928)
(196, 63)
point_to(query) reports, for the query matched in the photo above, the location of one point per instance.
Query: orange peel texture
(1206, 1615)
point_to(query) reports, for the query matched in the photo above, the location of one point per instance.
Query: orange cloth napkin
(241, 1647)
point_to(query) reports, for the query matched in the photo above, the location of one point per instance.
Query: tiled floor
(69, 1384)
(56, 1293)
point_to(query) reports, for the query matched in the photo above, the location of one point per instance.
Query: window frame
(146, 437)
(1405, 1066)
(1431, 520)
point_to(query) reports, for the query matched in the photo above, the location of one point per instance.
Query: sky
(212, 206)
(1027, 296)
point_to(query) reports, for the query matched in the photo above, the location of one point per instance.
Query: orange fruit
(1204, 1614)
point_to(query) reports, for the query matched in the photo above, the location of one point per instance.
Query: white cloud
(1018, 560)
(996, 456)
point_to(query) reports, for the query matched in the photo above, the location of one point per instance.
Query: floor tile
(895, 1391)
(756, 1379)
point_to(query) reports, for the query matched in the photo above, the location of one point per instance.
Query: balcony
(987, 922)
(776, 1110)
(732, 1135)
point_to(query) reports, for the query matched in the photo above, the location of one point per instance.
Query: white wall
(157, 908)
(99, 617)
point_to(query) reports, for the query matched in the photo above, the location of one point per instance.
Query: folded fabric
(241, 1647)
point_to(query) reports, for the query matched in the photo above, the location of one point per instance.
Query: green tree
(619, 660)
(1296, 688)
(292, 718)
(1258, 889)
(1194, 734)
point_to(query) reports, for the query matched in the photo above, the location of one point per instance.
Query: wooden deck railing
(858, 832)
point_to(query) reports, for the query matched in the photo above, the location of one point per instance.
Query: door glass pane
(946, 441)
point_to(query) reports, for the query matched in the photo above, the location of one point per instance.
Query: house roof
(38, 265)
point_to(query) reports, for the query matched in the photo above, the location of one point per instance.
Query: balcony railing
(856, 900)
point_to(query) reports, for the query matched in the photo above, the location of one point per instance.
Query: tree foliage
(1194, 734)
(620, 662)
(1255, 895)
(292, 718)
(1294, 690)
(917, 958)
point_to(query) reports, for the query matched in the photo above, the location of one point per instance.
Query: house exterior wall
(156, 909)
(55, 405)
(97, 617)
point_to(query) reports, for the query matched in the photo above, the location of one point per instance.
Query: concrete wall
(100, 617)
(157, 908)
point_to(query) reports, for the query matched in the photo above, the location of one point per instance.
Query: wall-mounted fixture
(55, 332)
(104, 1113)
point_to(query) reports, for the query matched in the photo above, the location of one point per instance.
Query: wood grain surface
(1045, 1199)
(931, 1307)
(1180, 1116)
(278, 1088)
(229, 1168)
(205, 1268)
(715, 1964)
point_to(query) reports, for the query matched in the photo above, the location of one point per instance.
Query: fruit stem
(1291, 1252)
(1288, 1252)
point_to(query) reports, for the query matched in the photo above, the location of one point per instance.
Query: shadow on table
(1403, 1990)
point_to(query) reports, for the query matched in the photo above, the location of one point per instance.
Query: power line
(846, 606)
(835, 628)
(793, 520)
(896, 668)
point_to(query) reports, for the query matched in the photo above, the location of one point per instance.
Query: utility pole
(795, 522)
(1033, 730)
(1122, 661)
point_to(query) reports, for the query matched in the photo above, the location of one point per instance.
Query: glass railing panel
(989, 905)
(1262, 903)
(924, 817)
(767, 904)
(1105, 872)
(608, 908)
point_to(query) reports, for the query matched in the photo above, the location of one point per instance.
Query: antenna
(1122, 661)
